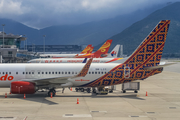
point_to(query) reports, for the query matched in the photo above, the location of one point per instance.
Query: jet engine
(22, 87)
(103, 55)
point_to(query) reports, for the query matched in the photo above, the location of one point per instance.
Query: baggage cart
(135, 86)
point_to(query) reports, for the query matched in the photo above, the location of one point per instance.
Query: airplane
(100, 53)
(25, 78)
(86, 50)
(108, 59)
(74, 60)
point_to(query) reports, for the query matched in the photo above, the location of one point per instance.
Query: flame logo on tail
(105, 46)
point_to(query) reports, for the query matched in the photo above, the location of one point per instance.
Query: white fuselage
(60, 55)
(26, 72)
(74, 60)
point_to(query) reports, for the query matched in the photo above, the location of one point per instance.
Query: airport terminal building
(54, 48)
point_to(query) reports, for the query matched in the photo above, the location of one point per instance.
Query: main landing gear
(53, 91)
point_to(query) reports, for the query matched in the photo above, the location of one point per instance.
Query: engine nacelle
(104, 55)
(22, 87)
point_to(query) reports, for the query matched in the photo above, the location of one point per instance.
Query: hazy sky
(42, 13)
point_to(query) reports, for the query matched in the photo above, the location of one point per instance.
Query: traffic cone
(71, 88)
(9, 92)
(77, 101)
(5, 95)
(24, 96)
(51, 94)
(146, 93)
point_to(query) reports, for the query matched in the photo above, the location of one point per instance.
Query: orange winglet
(85, 69)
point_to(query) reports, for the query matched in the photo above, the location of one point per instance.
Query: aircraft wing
(61, 80)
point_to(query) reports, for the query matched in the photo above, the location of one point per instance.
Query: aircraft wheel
(77, 89)
(124, 91)
(111, 91)
(88, 90)
(82, 89)
(53, 91)
(94, 90)
(135, 91)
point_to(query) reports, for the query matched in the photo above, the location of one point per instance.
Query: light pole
(26, 44)
(24, 41)
(44, 42)
(3, 34)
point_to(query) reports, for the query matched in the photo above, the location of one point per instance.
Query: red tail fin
(87, 50)
(103, 49)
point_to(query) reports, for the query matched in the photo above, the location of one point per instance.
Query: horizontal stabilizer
(161, 65)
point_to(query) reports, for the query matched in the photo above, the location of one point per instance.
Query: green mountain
(132, 36)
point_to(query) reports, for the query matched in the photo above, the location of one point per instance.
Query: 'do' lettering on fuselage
(6, 77)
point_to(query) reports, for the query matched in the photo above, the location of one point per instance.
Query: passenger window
(105, 72)
(46, 72)
(6, 72)
(56, 72)
(62, 72)
(0, 72)
(101, 72)
(72, 72)
(16, 72)
(92, 72)
(38, 72)
(95, 72)
(69, 72)
(42, 72)
(32, 72)
(59, 72)
(89, 72)
(49, 72)
(76, 73)
(9, 72)
(29, 72)
(26, 72)
(65, 72)
(52, 72)
(23, 72)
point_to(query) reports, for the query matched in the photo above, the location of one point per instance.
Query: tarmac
(161, 103)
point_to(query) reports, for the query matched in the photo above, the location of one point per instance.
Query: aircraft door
(126, 72)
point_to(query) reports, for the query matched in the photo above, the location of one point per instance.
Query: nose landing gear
(53, 91)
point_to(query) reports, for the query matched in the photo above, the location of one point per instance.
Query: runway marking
(100, 111)
(172, 107)
(77, 115)
(8, 118)
(150, 112)
(136, 116)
